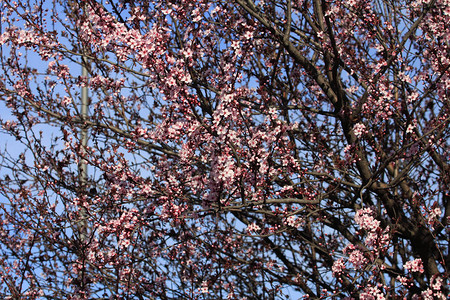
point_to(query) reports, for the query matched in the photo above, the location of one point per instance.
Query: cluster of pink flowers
(338, 267)
(372, 293)
(357, 259)
(294, 221)
(364, 218)
(377, 238)
(434, 215)
(218, 120)
(434, 291)
(414, 265)
(359, 130)
(253, 228)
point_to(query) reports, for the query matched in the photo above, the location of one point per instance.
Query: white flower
(410, 128)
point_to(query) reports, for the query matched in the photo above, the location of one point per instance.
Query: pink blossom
(294, 221)
(404, 280)
(434, 215)
(364, 218)
(338, 267)
(357, 259)
(414, 265)
(436, 283)
(223, 141)
(253, 227)
(372, 293)
(359, 129)
(427, 295)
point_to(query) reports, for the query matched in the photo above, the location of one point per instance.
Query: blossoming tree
(236, 149)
